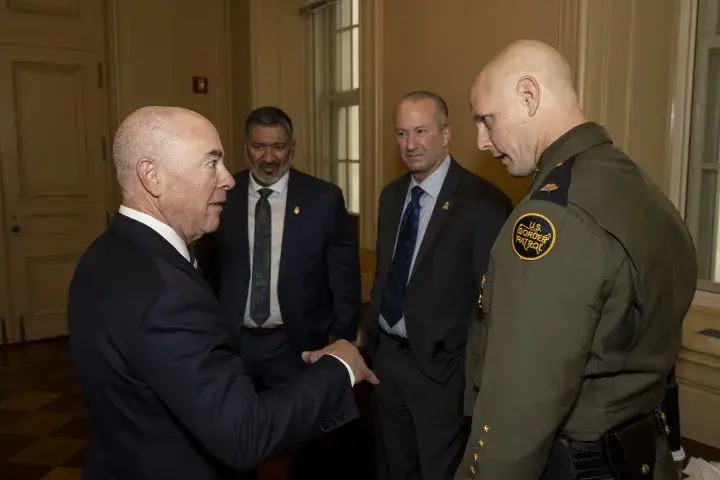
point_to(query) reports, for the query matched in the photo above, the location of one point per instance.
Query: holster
(627, 452)
(632, 447)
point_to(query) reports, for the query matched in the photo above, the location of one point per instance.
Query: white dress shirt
(431, 186)
(278, 201)
(163, 229)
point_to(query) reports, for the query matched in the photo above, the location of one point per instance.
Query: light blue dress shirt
(431, 186)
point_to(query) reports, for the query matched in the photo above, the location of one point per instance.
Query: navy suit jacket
(161, 373)
(444, 286)
(319, 281)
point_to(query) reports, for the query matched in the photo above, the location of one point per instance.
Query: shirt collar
(278, 187)
(163, 229)
(433, 183)
(576, 140)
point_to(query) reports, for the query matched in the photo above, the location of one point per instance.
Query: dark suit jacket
(444, 285)
(161, 374)
(319, 280)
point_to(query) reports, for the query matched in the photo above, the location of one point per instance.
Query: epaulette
(556, 185)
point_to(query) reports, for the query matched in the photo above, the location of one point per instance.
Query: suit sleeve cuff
(352, 375)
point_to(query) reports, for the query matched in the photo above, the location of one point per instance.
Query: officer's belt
(627, 452)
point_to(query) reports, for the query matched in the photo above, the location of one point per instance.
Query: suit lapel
(238, 218)
(440, 213)
(292, 223)
(152, 240)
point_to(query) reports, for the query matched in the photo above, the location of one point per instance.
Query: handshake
(348, 353)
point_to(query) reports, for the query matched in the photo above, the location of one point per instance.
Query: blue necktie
(394, 293)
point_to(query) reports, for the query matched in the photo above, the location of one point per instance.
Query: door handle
(15, 229)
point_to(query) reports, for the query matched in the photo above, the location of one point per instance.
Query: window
(335, 48)
(703, 172)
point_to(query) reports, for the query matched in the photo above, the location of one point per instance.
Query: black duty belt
(627, 452)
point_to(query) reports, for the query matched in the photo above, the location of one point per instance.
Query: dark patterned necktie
(260, 291)
(394, 292)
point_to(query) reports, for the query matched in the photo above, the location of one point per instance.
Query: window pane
(320, 54)
(343, 13)
(706, 241)
(338, 176)
(355, 12)
(354, 133)
(353, 201)
(343, 60)
(341, 131)
(355, 58)
(712, 109)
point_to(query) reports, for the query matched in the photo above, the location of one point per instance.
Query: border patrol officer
(584, 298)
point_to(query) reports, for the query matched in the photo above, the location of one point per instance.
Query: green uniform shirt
(583, 303)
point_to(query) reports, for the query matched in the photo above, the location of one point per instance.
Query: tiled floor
(44, 427)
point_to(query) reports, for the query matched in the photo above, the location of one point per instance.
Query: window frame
(326, 100)
(683, 188)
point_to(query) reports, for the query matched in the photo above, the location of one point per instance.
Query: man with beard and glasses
(284, 261)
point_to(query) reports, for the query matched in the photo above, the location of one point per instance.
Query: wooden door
(54, 177)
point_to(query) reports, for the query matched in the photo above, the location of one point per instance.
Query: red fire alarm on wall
(200, 85)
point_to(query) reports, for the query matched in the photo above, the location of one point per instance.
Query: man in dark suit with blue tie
(159, 365)
(436, 226)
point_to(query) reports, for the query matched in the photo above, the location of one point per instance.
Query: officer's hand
(350, 354)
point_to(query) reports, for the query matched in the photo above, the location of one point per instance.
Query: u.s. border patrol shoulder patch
(533, 236)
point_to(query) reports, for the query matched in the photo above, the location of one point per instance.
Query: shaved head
(150, 132)
(522, 101)
(530, 58)
(169, 165)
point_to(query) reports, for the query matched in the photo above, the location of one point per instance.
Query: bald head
(523, 100)
(530, 58)
(169, 164)
(151, 132)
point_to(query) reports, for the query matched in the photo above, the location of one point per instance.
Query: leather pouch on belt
(631, 448)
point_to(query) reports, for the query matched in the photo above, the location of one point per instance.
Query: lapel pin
(296, 210)
(446, 205)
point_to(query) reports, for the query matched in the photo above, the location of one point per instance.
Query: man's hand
(350, 355)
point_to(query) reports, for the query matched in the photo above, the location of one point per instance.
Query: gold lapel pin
(446, 205)
(296, 210)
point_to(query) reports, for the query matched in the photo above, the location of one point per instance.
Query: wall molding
(372, 178)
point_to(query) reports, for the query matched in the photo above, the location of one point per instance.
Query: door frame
(6, 320)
